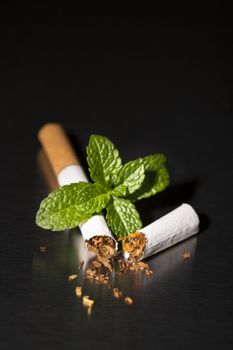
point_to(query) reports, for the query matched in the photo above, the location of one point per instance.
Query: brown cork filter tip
(57, 147)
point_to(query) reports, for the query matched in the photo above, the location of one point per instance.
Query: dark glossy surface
(151, 85)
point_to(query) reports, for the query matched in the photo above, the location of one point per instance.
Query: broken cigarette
(172, 228)
(67, 169)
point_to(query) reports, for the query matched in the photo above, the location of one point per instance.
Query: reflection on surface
(46, 170)
(169, 259)
(63, 254)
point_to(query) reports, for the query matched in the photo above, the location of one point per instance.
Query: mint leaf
(131, 175)
(92, 198)
(119, 191)
(114, 179)
(156, 177)
(61, 220)
(103, 160)
(123, 217)
(70, 205)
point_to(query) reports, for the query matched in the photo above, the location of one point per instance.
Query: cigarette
(179, 224)
(67, 169)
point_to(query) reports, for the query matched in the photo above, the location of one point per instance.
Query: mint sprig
(60, 210)
(103, 159)
(123, 217)
(115, 188)
(131, 176)
(156, 176)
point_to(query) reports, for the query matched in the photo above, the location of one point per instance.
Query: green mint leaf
(92, 198)
(156, 177)
(123, 217)
(103, 160)
(61, 220)
(70, 205)
(119, 191)
(132, 175)
(114, 179)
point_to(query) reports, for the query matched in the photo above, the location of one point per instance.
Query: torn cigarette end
(87, 301)
(134, 245)
(104, 247)
(132, 235)
(172, 228)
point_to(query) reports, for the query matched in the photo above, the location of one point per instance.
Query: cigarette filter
(172, 228)
(67, 169)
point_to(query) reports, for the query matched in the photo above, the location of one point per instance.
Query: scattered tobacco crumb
(117, 293)
(96, 263)
(99, 271)
(72, 277)
(135, 266)
(80, 265)
(87, 301)
(104, 247)
(128, 300)
(106, 262)
(102, 279)
(186, 256)
(123, 266)
(43, 248)
(93, 274)
(90, 274)
(78, 291)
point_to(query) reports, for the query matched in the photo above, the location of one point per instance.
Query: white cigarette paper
(179, 224)
(95, 226)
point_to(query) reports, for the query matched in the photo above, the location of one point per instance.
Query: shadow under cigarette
(47, 171)
(204, 222)
(167, 260)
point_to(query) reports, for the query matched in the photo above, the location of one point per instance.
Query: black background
(158, 83)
